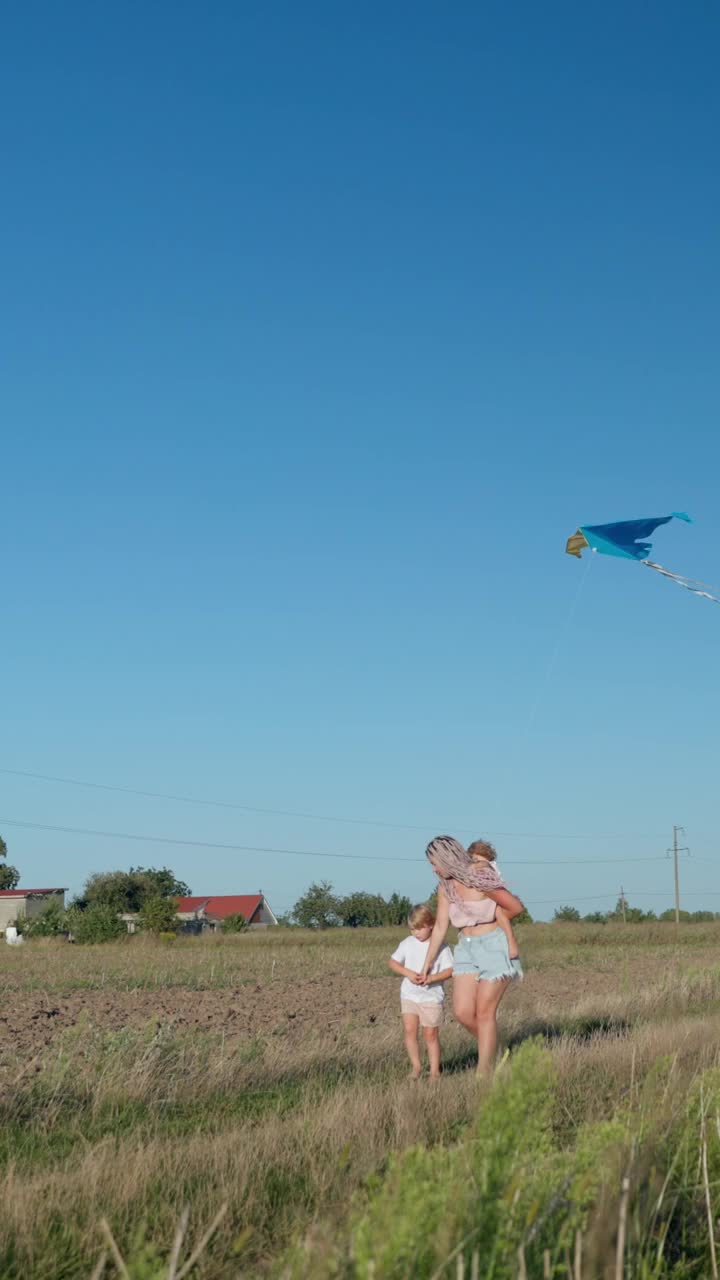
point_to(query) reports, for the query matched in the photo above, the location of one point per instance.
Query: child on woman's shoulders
(481, 851)
(421, 999)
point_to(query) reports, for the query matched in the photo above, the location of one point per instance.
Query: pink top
(469, 912)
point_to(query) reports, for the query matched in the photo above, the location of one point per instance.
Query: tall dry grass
(136, 1126)
(226, 962)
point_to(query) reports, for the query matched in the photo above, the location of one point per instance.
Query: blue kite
(627, 539)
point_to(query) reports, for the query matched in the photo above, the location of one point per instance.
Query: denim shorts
(486, 957)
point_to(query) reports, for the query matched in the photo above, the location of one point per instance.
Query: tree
(317, 908)
(596, 917)
(688, 917)
(9, 876)
(566, 915)
(523, 918)
(127, 891)
(234, 923)
(116, 889)
(159, 915)
(625, 914)
(398, 909)
(50, 923)
(162, 883)
(363, 909)
(97, 923)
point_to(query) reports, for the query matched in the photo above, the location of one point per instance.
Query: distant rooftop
(221, 905)
(28, 893)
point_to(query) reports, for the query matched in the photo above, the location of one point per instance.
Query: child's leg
(410, 1024)
(431, 1036)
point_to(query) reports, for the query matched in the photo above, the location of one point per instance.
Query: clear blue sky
(324, 327)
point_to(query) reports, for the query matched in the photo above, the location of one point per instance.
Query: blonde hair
(482, 849)
(421, 917)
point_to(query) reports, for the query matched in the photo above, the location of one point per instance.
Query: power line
(297, 853)
(570, 902)
(575, 862)
(314, 817)
(609, 897)
(199, 844)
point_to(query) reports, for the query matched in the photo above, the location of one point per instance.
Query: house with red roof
(207, 911)
(23, 904)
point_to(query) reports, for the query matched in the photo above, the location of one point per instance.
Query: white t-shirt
(412, 953)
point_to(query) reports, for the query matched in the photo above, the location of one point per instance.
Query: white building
(25, 904)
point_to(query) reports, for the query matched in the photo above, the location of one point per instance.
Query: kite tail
(690, 584)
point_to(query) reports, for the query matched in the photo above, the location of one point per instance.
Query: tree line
(95, 914)
(321, 908)
(624, 913)
(149, 894)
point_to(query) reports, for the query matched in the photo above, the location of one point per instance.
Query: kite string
(559, 646)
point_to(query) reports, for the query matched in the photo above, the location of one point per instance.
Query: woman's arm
(507, 900)
(437, 937)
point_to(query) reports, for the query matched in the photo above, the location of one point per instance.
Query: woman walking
(472, 896)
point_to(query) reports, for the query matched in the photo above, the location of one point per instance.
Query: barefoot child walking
(421, 999)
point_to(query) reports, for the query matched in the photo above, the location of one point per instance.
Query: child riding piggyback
(482, 852)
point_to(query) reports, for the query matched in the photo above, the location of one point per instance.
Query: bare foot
(415, 1075)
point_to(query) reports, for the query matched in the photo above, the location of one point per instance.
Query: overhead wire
(198, 844)
(297, 853)
(613, 897)
(316, 853)
(315, 817)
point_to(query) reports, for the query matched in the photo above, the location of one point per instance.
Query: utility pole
(622, 904)
(677, 849)
(677, 875)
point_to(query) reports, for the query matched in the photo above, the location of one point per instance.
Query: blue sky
(323, 329)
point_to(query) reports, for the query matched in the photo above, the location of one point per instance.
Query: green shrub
(429, 1199)
(49, 924)
(159, 915)
(508, 1184)
(566, 915)
(94, 924)
(235, 923)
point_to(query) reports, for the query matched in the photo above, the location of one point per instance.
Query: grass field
(246, 1099)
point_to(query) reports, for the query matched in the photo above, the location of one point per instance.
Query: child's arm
(507, 900)
(401, 971)
(442, 976)
(503, 920)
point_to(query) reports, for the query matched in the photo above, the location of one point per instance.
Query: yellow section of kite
(575, 544)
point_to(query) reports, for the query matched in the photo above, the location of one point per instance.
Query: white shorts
(430, 1012)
